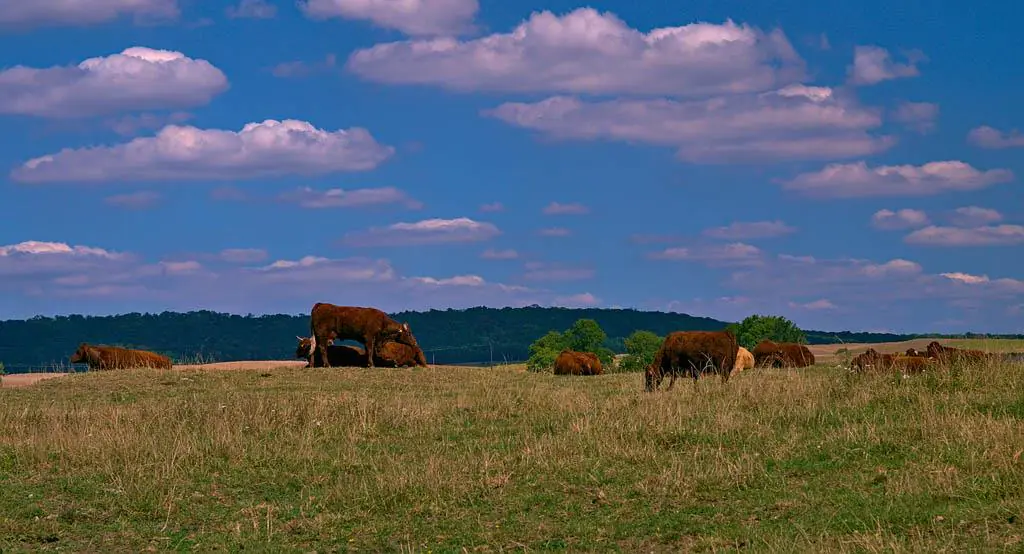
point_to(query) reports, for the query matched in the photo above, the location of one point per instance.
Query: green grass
(988, 345)
(442, 459)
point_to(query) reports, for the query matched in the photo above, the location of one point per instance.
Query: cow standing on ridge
(370, 326)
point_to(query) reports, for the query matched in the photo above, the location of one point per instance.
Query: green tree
(756, 328)
(585, 335)
(641, 347)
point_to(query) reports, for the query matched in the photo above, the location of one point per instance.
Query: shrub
(641, 348)
(756, 328)
(584, 336)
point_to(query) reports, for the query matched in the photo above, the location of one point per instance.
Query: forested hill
(476, 335)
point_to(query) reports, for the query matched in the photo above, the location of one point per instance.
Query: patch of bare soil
(26, 379)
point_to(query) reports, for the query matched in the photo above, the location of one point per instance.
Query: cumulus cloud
(918, 116)
(39, 13)
(989, 137)
(542, 271)
(130, 125)
(750, 230)
(990, 235)
(573, 208)
(873, 64)
(307, 197)
(42, 276)
(899, 219)
(585, 51)
(267, 149)
(732, 254)
(970, 216)
(138, 78)
(492, 254)
(243, 255)
(412, 17)
(140, 200)
(858, 180)
(427, 231)
(793, 123)
(252, 9)
(300, 68)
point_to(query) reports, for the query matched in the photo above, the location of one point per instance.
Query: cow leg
(368, 342)
(321, 346)
(671, 380)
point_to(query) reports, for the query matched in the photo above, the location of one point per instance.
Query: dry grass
(450, 458)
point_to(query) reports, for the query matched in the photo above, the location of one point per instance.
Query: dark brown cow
(389, 354)
(102, 357)
(370, 326)
(692, 353)
(948, 354)
(571, 362)
(769, 353)
(871, 359)
(915, 353)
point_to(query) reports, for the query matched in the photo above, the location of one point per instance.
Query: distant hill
(475, 335)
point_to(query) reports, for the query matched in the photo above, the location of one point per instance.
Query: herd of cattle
(388, 343)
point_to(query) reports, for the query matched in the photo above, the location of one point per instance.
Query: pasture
(450, 458)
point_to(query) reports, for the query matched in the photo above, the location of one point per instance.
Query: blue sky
(847, 165)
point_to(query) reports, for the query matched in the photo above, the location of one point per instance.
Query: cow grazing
(692, 353)
(370, 326)
(769, 353)
(571, 362)
(101, 357)
(948, 354)
(744, 360)
(389, 354)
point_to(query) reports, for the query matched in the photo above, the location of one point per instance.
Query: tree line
(471, 336)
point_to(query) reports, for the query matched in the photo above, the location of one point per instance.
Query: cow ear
(405, 325)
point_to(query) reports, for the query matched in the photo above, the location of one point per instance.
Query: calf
(744, 360)
(692, 353)
(370, 326)
(389, 354)
(101, 357)
(571, 362)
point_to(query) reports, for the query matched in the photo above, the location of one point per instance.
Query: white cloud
(971, 216)
(585, 51)
(858, 180)
(820, 304)
(966, 278)
(492, 207)
(307, 197)
(456, 281)
(187, 266)
(573, 208)
(252, 9)
(38, 13)
(750, 230)
(918, 116)
(732, 254)
(130, 125)
(492, 254)
(270, 148)
(900, 219)
(138, 78)
(427, 231)
(243, 255)
(36, 261)
(991, 235)
(412, 17)
(988, 137)
(793, 123)
(555, 232)
(300, 68)
(582, 300)
(34, 247)
(541, 271)
(140, 200)
(873, 64)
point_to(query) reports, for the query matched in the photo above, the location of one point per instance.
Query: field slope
(446, 458)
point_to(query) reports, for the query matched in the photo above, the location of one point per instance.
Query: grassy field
(445, 459)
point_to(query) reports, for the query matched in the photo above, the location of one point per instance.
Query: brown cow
(769, 353)
(948, 354)
(102, 357)
(370, 326)
(692, 353)
(915, 353)
(744, 360)
(571, 362)
(389, 354)
(871, 359)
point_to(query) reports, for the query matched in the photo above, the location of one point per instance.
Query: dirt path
(25, 379)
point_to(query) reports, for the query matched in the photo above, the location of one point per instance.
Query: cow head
(83, 354)
(305, 347)
(652, 378)
(400, 332)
